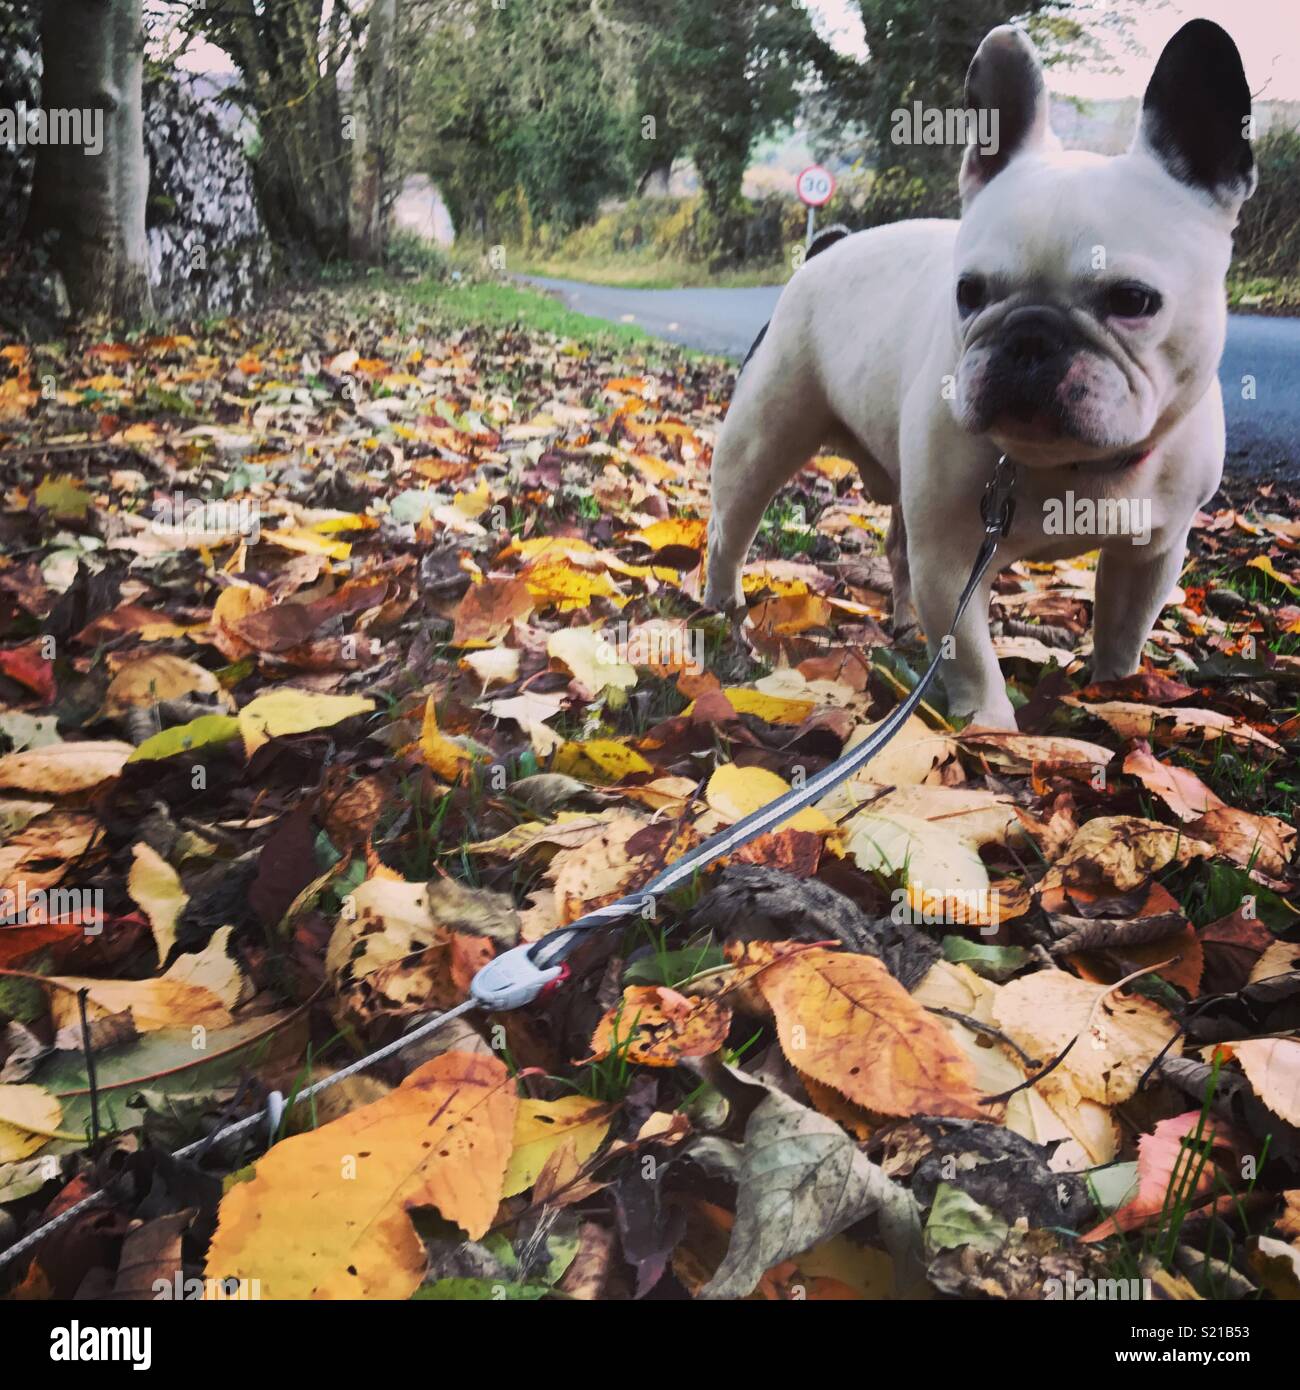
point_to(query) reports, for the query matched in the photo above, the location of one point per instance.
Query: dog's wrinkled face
(1088, 292)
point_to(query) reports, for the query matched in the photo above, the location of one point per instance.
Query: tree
(92, 205)
(716, 80)
(919, 50)
(375, 117)
(290, 55)
(521, 111)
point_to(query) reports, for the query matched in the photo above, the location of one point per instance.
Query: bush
(409, 254)
(1268, 235)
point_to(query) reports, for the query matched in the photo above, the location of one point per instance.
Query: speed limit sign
(815, 186)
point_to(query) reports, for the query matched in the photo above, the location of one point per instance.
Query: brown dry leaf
(326, 1214)
(1180, 789)
(1130, 720)
(1263, 844)
(160, 676)
(909, 757)
(54, 840)
(1019, 752)
(1272, 1066)
(597, 871)
(487, 611)
(848, 1023)
(1117, 1040)
(1120, 852)
(59, 769)
(658, 1026)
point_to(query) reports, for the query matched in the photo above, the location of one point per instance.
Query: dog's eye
(971, 293)
(1131, 302)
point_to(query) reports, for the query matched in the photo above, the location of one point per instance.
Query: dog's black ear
(1196, 114)
(1005, 80)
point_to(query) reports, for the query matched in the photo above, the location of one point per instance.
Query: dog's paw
(994, 717)
(730, 605)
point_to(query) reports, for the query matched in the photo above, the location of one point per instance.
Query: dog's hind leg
(905, 620)
(776, 423)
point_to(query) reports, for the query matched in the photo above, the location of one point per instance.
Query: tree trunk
(375, 111)
(93, 52)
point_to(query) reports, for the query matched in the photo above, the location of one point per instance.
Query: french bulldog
(1073, 320)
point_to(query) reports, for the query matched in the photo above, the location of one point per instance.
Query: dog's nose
(1033, 336)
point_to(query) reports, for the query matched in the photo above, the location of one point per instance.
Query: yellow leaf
(290, 711)
(28, 1116)
(473, 504)
(562, 586)
(161, 1003)
(736, 792)
(541, 1126)
(449, 760)
(307, 542)
(1264, 564)
(772, 709)
(691, 532)
(325, 1214)
(591, 658)
(599, 760)
(155, 887)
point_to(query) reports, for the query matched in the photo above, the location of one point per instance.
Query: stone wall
(208, 248)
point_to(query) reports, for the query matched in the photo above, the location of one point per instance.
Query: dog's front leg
(775, 424)
(1132, 587)
(970, 672)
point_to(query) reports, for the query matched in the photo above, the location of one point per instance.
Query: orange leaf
(848, 1023)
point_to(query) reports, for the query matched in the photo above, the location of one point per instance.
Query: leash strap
(519, 976)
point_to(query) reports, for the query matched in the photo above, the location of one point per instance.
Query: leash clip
(998, 506)
(511, 980)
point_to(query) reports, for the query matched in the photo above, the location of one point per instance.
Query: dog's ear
(1005, 79)
(1196, 115)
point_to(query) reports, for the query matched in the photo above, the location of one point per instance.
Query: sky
(1266, 31)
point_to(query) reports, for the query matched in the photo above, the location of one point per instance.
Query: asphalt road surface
(1262, 357)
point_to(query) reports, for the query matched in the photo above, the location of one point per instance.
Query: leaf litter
(342, 648)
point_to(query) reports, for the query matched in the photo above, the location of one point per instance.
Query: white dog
(1073, 319)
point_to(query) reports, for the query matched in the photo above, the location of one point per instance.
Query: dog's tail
(819, 243)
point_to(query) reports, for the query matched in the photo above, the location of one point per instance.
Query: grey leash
(521, 975)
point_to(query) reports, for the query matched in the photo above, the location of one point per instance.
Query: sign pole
(815, 187)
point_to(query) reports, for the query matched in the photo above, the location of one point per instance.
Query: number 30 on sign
(816, 186)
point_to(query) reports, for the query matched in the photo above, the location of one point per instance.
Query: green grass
(637, 272)
(1263, 293)
(495, 304)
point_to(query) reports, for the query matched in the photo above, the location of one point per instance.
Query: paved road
(1263, 433)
